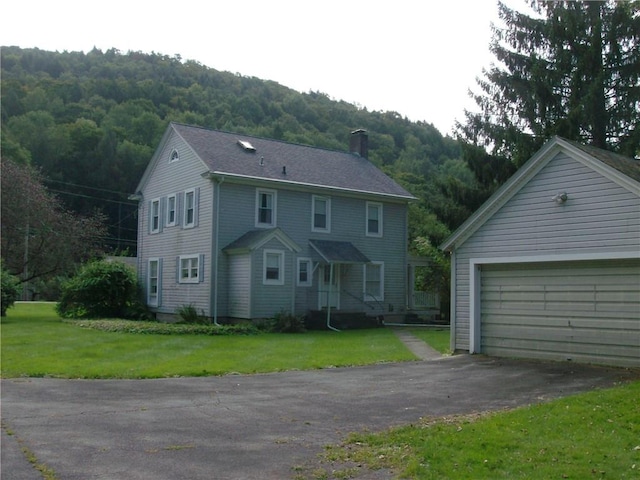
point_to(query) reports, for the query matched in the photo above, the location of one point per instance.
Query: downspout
(329, 299)
(220, 181)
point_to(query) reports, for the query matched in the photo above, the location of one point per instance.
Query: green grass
(37, 343)
(438, 338)
(595, 435)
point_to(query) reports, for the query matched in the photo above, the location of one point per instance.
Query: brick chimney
(359, 143)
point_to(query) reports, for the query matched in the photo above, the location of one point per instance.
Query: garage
(549, 266)
(587, 311)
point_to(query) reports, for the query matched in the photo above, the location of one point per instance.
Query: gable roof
(338, 252)
(255, 239)
(240, 156)
(617, 168)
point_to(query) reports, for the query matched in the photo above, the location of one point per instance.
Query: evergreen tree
(570, 69)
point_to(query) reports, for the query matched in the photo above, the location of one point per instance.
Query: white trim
(327, 201)
(169, 223)
(475, 277)
(189, 278)
(268, 281)
(367, 296)
(172, 157)
(380, 208)
(153, 301)
(309, 263)
(152, 216)
(191, 224)
(274, 209)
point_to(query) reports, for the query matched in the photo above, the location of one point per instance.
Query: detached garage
(549, 266)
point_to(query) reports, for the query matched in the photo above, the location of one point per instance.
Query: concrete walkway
(419, 348)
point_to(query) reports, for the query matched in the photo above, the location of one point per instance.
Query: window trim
(274, 207)
(186, 208)
(366, 295)
(168, 222)
(327, 200)
(154, 300)
(155, 216)
(270, 281)
(190, 279)
(379, 207)
(174, 156)
(309, 281)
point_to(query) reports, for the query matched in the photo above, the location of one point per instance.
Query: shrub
(9, 290)
(285, 322)
(189, 314)
(102, 289)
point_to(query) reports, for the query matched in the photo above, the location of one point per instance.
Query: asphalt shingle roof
(287, 162)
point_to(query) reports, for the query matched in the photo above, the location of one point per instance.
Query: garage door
(581, 311)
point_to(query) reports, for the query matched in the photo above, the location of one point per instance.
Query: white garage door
(582, 311)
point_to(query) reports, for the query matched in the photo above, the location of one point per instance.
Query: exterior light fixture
(560, 198)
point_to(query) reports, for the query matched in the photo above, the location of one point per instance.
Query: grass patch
(438, 338)
(37, 343)
(593, 435)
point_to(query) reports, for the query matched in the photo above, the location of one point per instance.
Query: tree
(40, 238)
(570, 69)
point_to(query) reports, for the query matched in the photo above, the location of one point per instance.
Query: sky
(414, 57)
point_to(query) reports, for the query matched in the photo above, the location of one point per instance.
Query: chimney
(359, 143)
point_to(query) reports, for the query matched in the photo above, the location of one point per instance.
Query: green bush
(285, 322)
(189, 314)
(10, 290)
(102, 289)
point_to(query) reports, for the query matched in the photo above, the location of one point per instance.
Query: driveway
(253, 426)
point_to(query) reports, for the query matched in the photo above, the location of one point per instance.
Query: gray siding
(599, 217)
(165, 179)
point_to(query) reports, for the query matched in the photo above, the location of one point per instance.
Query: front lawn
(37, 343)
(595, 435)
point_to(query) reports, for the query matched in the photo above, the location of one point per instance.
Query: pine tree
(570, 69)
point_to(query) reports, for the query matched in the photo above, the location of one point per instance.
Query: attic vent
(247, 147)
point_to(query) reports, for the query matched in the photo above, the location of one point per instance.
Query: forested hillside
(91, 122)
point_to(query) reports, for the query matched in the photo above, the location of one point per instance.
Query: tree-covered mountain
(91, 121)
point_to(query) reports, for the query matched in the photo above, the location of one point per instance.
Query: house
(549, 266)
(243, 227)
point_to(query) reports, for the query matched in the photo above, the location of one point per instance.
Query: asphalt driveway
(253, 426)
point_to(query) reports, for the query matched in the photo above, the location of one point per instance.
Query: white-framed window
(154, 282)
(273, 261)
(154, 216)
(305, 272)
(190, 268)
(373, 274)
(321, 214)
(172, 206)
(266, 201)
(190, 208)
(174, 156)
(374, 219)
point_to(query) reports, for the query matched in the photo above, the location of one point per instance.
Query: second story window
(265, 208)
(171, 210)
(321, 214)
(374, 219)
(190, 207)
(154, 216)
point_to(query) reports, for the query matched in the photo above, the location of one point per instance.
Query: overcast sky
(418, 58)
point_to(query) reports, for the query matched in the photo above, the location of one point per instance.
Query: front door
(328, 290)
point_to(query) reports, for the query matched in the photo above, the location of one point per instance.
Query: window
(273, 267)
(265, 208)
(304, 272)
(190, 205)
(189, 268)
(374, 219)
(321, 214)
(171, 211)
(154, 217)
(374, 281)
(153, 282)
(174, 156)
